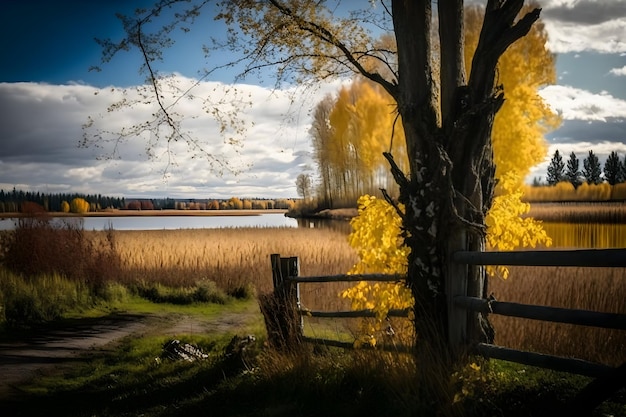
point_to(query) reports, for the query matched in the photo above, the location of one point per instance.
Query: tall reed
(596, 289)
(229, 257)
(586, 235)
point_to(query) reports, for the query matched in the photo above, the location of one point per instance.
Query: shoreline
(152, 213)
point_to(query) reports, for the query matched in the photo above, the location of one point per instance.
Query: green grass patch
(136, 379)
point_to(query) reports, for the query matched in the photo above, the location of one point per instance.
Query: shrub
(243, 292)
(41, 245)
(37, 299)
(204, 291)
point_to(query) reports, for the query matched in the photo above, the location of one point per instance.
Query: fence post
(456, 284)
(280, 309)
(293, 291)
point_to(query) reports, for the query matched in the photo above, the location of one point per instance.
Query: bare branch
(328, 37)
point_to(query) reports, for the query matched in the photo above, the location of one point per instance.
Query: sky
(48, 93)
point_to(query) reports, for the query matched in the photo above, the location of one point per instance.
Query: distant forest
(12, 201)
(16, 200)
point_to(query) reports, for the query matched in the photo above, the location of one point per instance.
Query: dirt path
(29, 354)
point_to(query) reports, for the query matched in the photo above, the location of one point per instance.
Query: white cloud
(619, 72)
(606, 37)
(40, 146)
(577, 104)
(585, 25)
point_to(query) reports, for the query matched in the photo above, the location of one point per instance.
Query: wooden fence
(287, 280)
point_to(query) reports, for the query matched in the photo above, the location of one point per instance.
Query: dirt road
(28, 354)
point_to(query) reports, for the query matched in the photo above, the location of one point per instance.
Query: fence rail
(613, 258)
(288, 280)
(544, 313)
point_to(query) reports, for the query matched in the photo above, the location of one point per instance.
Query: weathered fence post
(280, 309)
(292, 290)
(456, 285)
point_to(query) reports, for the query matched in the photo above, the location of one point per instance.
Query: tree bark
(451, 181)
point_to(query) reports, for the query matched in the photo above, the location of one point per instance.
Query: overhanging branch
(327, 36)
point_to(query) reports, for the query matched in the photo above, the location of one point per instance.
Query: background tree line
(17, 201)
(614, 171)
(13, 201)
(566, 181)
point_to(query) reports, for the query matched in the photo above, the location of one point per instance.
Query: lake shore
(152, 213)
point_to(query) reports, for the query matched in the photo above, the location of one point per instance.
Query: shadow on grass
(119, 384)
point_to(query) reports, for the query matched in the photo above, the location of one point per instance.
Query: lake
(196, 222)
(174, 222)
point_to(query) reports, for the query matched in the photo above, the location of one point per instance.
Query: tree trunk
(451, 182)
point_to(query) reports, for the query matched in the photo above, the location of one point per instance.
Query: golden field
(229, 257)
(236, 257)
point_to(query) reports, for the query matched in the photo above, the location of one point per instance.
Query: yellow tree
(449, 185)
(79, 205)
(518, 132)
(518, 144)
(520, 125)
(360, 125)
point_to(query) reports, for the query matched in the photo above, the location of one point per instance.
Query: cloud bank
(585, 25)
(43, 126)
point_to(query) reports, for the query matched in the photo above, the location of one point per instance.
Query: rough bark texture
(451, 182)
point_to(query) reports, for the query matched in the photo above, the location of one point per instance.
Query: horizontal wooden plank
(556, 363)
(328, 342)
(615, 258)
(349, 278)
(544, 313)
(351, 313)
(350, 345)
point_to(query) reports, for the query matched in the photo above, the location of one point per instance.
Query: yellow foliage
(79, 205)
(65, 206)
(378, 240)
(506, 228)
(376, 236)
(520, 125)
(466, 380)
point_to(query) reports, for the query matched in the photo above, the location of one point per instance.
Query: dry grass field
(596, 289)
(229, 257)
(599, 212)
(237, 257)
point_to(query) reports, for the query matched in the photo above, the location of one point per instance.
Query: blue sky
(47, 92)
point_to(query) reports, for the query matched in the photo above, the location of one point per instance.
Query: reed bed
(233, 258)
(596, 289)
(586, 235)
(601, 212)
(230, 257)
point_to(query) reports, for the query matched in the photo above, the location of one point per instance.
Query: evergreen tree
(613, 169)
(591, 169)
(556, 169)
(573, 170)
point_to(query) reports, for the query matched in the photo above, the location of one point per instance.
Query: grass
(163, 273)
(231, 258)
(135, 379)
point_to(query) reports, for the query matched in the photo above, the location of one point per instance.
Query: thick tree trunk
(451, 182)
